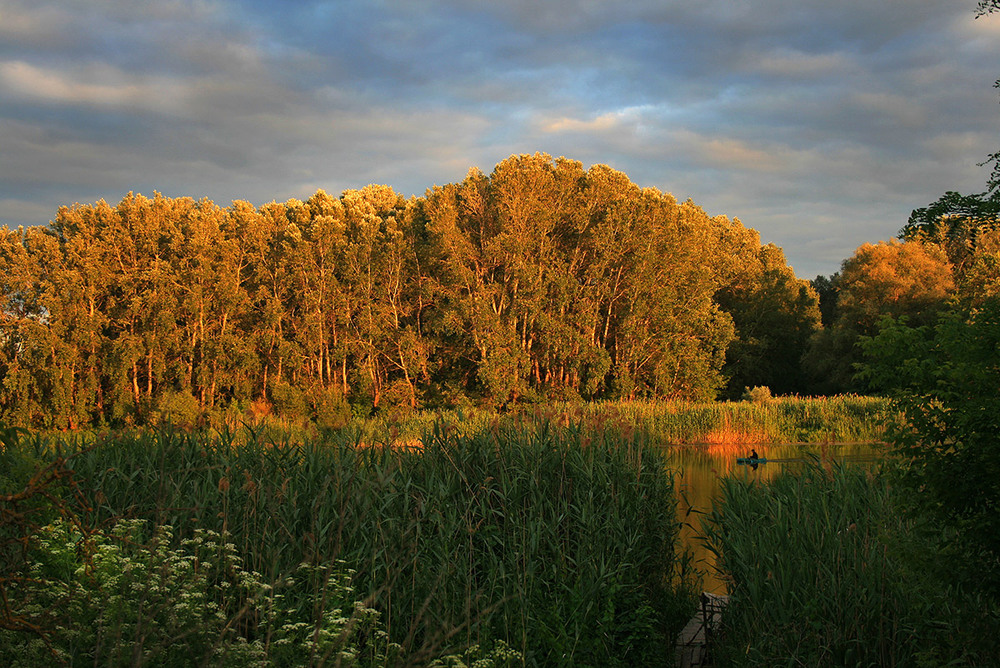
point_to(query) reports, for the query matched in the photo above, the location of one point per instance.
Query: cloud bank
(819, 124)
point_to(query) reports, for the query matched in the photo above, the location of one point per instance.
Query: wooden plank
(692, 643)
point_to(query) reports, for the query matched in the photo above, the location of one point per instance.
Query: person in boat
(753, 454)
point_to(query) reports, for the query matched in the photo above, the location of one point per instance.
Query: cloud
(629, 118)
(19, 211)
(792, 63)
(821, 124)
(95, 85)
(889, 108)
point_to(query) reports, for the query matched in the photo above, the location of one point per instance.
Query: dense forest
(539, 280)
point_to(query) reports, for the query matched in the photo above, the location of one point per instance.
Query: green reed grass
(792, 419)
(839, 419)
(824, 570)
(558, 541)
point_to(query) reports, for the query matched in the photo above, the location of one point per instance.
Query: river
(701, 468)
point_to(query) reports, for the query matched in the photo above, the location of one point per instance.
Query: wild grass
(840, 419)
(792, 419)
(557, 541)
(823, 569)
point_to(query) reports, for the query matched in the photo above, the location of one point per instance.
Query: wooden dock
(694, 644)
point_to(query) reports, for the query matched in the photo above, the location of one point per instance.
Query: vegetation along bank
(510, 546)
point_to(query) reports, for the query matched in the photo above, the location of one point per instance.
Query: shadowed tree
(774, 314)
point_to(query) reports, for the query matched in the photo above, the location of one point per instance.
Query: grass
(816, 420)
(555, 541)
(823, 569)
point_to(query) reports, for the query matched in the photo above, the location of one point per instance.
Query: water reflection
(701, 468)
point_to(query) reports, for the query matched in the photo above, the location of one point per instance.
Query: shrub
(758, 395)
(330, 409)
(180, 409)
(129, 598)
(288, 400)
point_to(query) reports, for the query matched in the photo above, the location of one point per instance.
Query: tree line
(539, 280)
(946, 262)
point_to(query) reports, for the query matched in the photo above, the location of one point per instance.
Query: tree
(539, 280)
(826, 291)
(912, 279)
(894, 279)
(944, 378)
(774, 314)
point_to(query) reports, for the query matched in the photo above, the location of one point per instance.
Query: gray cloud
(820, 124)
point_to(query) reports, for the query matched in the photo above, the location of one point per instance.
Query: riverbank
(505, 547)
(774, 420)
(777, 420)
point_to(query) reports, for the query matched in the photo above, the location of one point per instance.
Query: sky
(819, 123)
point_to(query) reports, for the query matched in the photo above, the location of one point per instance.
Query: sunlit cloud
(598, 124)
(95, 85)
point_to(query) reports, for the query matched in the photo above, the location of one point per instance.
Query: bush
(945, 380)
(330, 409)
(125, 598)
(289, 401)
(180, 409)
(758, 395)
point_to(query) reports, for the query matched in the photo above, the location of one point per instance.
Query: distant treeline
(540, 280)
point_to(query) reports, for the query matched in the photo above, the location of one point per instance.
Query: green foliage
(912, 279)
(127, 597)
(289, 401)
(774, 314)
(952, 216)
(114, 600)
(945, 381)
(330, 408)
(825, 570)
(177, 408)
(559, 543)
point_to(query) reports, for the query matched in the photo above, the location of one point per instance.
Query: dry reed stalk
(408, 444)
(727, 438)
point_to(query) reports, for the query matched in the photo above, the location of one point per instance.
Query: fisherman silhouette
(753, 459)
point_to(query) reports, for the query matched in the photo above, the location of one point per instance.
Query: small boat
(752, 461)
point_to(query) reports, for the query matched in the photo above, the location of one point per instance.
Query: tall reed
(560, 543)
(822, 571)
(846, 418)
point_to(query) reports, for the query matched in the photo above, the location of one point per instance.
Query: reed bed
(791, 419)
(839, 419)
(557, 542)
(822, 569)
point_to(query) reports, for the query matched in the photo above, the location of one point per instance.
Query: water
(702, 467)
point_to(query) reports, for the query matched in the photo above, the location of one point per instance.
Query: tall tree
(774, 313)
(889, 279)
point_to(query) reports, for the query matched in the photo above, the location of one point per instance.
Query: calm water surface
(701, 468)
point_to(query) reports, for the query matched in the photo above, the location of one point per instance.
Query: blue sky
(819, 123)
